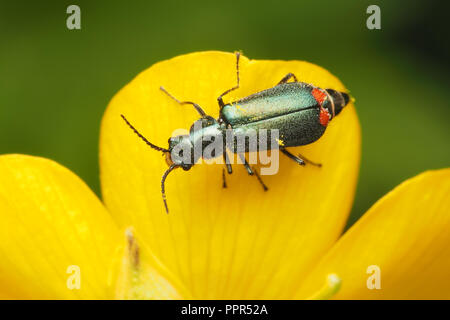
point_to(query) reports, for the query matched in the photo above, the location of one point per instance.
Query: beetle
(299, 111)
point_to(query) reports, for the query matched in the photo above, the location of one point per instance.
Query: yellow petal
(406, 235)
(142, 277)
(57, 241)
(239, 242)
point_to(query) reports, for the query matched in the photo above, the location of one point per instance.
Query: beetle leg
(287, 77)
(224, 181)
(227, 162)
(220, 98)
(229, 168)
(293, 157)
(309, 161)
(196, 106)
(260, 180)
(252, 171)
(246, 165)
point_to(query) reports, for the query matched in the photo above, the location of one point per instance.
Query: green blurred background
(55, 83)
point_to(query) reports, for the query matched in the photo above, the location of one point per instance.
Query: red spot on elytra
(319, 95)
(324, 117)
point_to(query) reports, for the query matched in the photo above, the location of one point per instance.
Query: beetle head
(181, 152)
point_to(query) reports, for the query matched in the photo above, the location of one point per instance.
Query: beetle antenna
(142, 137)
(163, 180)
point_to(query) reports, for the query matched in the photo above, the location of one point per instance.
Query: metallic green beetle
(298, 112)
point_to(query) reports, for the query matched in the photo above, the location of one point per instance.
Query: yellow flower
(57, 240)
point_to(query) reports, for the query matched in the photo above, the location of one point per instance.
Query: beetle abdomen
(280, 100)
(295, 129)
(289, 108)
